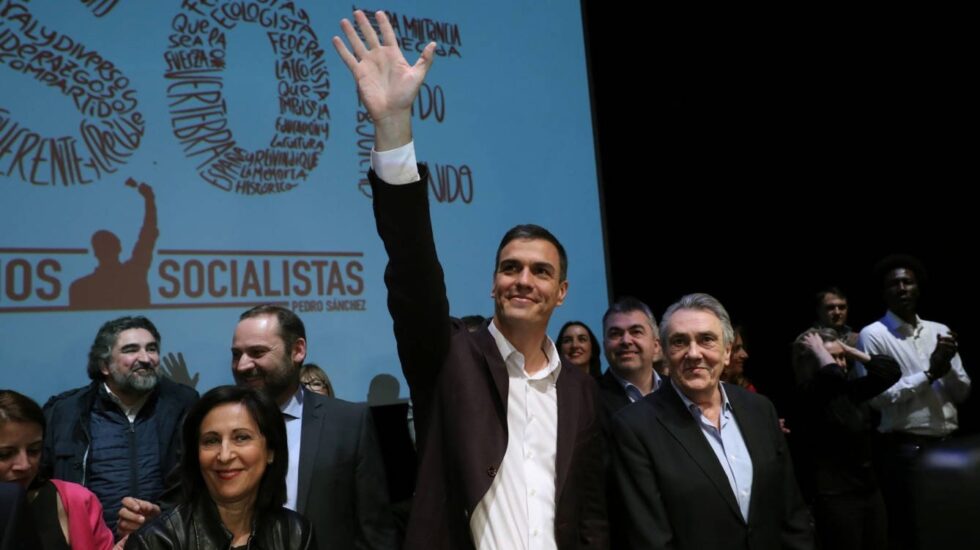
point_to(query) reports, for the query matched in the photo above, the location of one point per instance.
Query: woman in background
(735, 371)
(578, 346)
(315, 379)
(66, 515)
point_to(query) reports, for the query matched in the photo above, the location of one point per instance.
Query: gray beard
(136, 382)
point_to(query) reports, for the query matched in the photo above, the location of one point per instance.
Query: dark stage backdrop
(762, 156)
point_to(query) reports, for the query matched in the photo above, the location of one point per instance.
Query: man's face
(901, 291)
(696, 352)
(259, 357)
(134, 362)
(629, 342)
(832, 312)
(526, 286)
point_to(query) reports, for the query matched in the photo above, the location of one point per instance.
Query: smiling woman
(577, 345)
(234, 485)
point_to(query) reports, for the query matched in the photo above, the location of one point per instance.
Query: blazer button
(491, 471)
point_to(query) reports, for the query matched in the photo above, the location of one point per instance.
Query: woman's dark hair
(595, 364)
(17, 407)
(266, 414)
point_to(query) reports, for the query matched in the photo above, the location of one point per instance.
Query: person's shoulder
(935, 325)
(334, 406)
(177, 392)
(611, 392)
(644, 411)
(740, 396)
(66, 397)
(567, 369)
(66, 487)
(76, 492)
(875, 327)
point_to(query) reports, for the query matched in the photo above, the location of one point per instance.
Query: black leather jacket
(197, 526)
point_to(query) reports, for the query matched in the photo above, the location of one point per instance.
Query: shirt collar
(507, 349)
(693, 407)
(626, 384)
(294, 407)
(898, 325)
(132, 411)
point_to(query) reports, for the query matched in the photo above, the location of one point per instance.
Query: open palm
(386, 82)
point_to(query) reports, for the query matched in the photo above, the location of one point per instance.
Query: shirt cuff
(397, 166)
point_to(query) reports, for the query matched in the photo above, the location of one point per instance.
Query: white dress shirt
(518, 511)
(912, 404)
(292, 413)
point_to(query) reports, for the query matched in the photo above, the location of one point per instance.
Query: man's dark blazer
(673, 492)
(611, 393)
(342, 488)
(459, 386)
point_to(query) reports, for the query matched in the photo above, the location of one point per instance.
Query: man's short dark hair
(105, 339)
(896, 261)
(534, 232)
(291, 327)
(818, 302)
(629, 304)
(267, 416)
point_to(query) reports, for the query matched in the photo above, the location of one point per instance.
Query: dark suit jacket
(342, 488)
(459, 386)
(611, 393)
(674, 493)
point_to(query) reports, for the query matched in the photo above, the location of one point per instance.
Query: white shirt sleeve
(956, 382)
(908, 386)
(397, 166)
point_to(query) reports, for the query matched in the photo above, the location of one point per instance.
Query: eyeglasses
(314, 384)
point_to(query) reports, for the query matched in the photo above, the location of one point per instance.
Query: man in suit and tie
(336, 475)
(508, 436)
(700, 464)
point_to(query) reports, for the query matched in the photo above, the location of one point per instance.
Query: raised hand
(144, 189)
(814, 343)
(386, 82)
(941, 359)
(175, 367)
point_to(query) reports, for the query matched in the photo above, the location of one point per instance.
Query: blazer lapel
(682, 425)
(567, 414)
(495, 364)
(309, 443)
